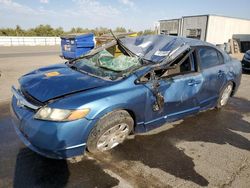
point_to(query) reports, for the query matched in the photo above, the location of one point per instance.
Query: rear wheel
(225, 95)
(110, 131)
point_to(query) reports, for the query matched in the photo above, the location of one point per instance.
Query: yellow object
(78, 114)
(133, 35)
(50, 74)
(117, 51)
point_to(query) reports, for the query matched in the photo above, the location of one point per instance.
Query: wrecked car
(95, 101)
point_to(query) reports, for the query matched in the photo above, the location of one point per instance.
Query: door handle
(194, 82)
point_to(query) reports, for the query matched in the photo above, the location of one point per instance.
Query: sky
(131, 14)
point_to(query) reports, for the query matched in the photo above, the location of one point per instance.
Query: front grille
(31, 99)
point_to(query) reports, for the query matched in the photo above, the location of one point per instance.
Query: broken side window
(182, 65)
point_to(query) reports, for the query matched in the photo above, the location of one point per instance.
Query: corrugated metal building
(211, 28)
(170, 27)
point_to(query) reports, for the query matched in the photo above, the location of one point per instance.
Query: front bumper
(58, 140)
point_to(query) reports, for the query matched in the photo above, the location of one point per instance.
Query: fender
(139, 127)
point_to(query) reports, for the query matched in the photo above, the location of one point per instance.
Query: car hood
(55, 81)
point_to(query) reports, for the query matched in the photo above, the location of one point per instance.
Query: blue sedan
(95, 101)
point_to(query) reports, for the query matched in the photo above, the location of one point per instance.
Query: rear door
(213, 71)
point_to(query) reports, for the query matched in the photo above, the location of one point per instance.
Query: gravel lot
(210, 149)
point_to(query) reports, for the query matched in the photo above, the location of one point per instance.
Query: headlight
(54, 114)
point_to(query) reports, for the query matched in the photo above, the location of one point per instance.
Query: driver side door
(178, 87)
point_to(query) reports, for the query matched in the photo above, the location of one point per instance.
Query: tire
(109, 129)
(225, 95)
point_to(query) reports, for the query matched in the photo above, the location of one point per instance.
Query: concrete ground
(210, 149)
(16, 61)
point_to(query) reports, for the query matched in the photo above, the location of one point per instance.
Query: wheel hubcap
(112, 137)
(226, 94)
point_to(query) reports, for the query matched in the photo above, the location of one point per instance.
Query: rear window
(209, 57)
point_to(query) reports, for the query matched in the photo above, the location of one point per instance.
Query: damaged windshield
(105, 65)
(122, 56)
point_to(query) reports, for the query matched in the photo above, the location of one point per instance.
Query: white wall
(221, 29)
(29, 41)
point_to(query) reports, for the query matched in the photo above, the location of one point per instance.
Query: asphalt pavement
(210, 149)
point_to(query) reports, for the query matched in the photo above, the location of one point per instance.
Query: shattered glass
(140, 51)
(105, 65)
(106, 60)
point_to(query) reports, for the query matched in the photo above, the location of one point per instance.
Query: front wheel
(110, 130)
(225, 95)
